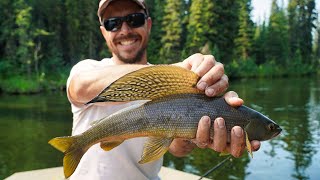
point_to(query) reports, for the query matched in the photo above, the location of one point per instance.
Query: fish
(150, 83)
(162, 120)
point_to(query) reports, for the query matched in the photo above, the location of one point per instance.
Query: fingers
(203, 132)
(218, 87)
(213, 80)
(255, 145)
(220, 135)
(207, 63)
(237, 143)
(233, 99)
(218, 142)
(181, 147)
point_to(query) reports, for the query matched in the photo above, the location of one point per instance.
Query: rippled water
(28, 122)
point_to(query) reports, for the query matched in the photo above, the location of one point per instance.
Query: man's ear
(149, 23)
(104, 32)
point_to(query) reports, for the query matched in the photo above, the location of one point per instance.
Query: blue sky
(261, 9)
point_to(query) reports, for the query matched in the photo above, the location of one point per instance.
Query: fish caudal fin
(62, 143)
(71, 161)
(72, 155)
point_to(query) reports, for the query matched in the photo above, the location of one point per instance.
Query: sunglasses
(134, 20)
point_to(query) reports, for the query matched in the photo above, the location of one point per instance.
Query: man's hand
(213, 80)
(236, 147)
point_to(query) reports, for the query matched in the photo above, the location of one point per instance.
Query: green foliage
(156, 10)
(201, 21)
(243, 41)
(172, 28)
(40, 40)
(277, 46)
(19, 84)
(242, 68)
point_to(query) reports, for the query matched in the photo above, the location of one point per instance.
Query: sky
(261, 9)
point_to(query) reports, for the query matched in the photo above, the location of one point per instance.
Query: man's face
(127, 44)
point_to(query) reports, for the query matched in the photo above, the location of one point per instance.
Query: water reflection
(28, 122)
(295, 105)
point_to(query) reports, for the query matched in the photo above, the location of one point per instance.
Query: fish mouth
(278, 131)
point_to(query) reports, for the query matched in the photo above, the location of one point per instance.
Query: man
(126, 26)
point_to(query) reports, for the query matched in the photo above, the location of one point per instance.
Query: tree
(172, 29)
(226, 24)
(277, 42)
(156, 12)
(259, 43)
(301, 15)
(243, 41)
(200, 23)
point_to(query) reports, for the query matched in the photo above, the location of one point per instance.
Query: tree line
(40, 40)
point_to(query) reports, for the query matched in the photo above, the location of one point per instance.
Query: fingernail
(237, 131)
(202, 86)
(206, 119)
(220, 123)
(210, 92)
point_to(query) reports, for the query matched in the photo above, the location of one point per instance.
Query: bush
(19, 85)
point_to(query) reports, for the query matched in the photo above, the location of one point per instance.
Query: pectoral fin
(154, 148)
(224, 153)
(107, 146)
(248, 145)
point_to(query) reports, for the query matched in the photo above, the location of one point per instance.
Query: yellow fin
(107, 146)
(248, 145)
(72, 156)
(71, 161)
(155, 148)
(62, 143)
(150, 83)
(224, 153)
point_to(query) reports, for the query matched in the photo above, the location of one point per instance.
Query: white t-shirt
(121, 163)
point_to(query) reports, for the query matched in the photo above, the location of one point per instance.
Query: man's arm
(87, 83)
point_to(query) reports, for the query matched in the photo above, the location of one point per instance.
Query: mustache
(128, 36)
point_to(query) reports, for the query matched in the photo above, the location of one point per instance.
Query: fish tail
(72, 155)
(63, 144)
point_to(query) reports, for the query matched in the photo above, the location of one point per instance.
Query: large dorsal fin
(150, 83)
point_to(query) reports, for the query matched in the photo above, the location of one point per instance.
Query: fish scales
(162, 120)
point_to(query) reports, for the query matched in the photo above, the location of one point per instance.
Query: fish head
(260, 127)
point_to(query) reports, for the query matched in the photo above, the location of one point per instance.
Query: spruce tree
(172, 29)
(277, 41)
(243, 41)
(200, 25)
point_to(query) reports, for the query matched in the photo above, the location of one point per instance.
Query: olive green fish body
(162, 120)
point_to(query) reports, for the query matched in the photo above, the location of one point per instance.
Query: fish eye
(271, 127)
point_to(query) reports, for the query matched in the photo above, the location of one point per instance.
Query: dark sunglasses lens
(136, 20)
(112, 24)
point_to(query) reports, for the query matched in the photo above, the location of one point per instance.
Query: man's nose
(125, 28)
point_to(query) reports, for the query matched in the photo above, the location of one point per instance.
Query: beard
(138, 55)
(137, 58)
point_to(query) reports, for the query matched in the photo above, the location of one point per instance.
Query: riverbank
(21, 84)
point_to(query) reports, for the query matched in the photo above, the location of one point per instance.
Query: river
(27, 122)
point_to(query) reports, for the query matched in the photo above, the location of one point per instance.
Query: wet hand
(213, 80)
(218, 142)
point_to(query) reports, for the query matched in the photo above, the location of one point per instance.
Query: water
(28, 122)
